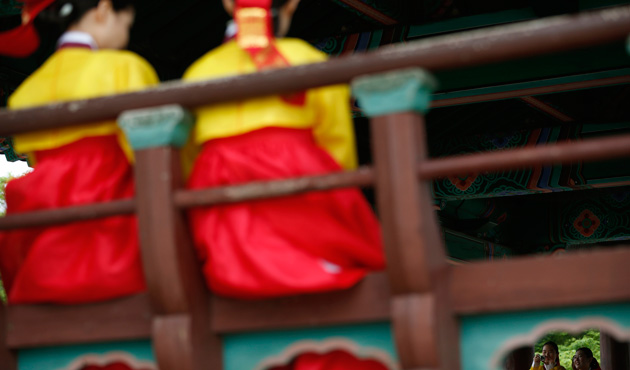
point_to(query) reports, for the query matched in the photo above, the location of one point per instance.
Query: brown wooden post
(425, 328)
(519, 359)
(8, 359)
(181, 336)
(614, 354)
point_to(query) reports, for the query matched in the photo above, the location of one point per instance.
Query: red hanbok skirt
(82, 261)
(335, 360)
(313, 242)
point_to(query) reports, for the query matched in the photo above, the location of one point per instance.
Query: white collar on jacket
(77, 37)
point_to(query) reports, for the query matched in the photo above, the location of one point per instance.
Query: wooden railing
(419, 292)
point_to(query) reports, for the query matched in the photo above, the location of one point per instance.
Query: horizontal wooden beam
(369, 301)
(572, 279)
(68, 214)
(130, 318)
(479, 95)
(48, 325)
(511, 159)
(557, 153)
(364, 176)
(368, 10)
(464, 49)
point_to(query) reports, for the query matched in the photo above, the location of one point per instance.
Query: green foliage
(568, 344)
(3, 294)
(3, 183)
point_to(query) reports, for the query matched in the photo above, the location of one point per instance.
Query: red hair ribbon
(23, 41)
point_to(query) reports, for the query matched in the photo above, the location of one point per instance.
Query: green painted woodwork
(153, 127)
(594, 219)
(247, 351)
(389, 8)
(604, 57)
(483, 338)
(394, 92)
(474, 21)
(375, 40)
(466, 248)
(595, 4)
(592, 128)
(495, 18)
(59, 358)
(576, 176)
(505, 183)
(538, 223)
(10, 7)
(532, 84)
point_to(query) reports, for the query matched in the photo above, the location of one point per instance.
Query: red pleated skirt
(82, 261)
(305, 243)
(335, 360)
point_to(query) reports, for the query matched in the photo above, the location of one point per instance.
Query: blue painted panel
(483, 336)
(246, 351)
(58, 358)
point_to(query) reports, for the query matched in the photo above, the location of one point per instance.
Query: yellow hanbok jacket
(326, 110)
(74, 74)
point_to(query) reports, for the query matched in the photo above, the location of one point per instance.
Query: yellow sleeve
(133, 74)
(334, 130)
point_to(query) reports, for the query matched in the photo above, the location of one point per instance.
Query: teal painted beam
(608, 78)
(597, 4)
(591, 128)
(475, 21)
(60, 358)
(496, 18)
(530, 88)
(248, 351)
(462, 247)
(10, 7)
(486, 339)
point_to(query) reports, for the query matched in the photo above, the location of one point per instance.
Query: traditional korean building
(500, 229)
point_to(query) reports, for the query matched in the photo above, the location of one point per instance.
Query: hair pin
(66, 9)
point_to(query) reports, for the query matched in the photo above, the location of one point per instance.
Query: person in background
(91, 260)
(584, 360)
(314, 242)
(551, 360)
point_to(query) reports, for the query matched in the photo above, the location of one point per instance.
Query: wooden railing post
(8, 359)
(425, 328)
(181, 336)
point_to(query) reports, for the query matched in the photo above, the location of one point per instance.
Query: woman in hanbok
(82, 261)
(313, 242)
